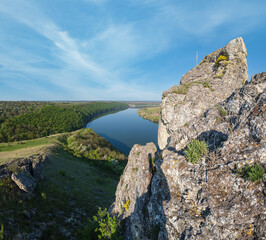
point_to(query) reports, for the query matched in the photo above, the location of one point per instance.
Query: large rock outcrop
(210, 82)
(24, 172)
(209, 199)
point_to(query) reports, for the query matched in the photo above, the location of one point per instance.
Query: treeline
(52, 119)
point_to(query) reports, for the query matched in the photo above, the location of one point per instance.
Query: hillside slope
(50, 195)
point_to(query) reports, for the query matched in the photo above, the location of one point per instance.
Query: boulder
(24, 181)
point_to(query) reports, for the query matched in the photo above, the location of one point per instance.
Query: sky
(117, 49)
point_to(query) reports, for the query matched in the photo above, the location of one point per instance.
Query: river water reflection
(125, 128)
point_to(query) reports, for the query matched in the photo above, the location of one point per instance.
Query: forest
(29, 120)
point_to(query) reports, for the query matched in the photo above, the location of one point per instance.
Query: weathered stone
(202, 87)
(25, 172)
(133, 190)
(24, 181)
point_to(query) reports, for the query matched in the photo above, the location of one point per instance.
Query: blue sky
(117, 50)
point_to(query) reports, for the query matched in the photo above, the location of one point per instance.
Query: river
(125, 128)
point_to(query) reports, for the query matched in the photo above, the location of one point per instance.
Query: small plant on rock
(222, 112)
(196, 150)
(251, 172)
(219, 59)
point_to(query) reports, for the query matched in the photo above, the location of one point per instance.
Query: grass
(222, 112)
(6, 147)
(196, 150)
(183, 89)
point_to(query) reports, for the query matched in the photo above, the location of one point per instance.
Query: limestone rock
(24, 181)
(25, 172)
(38, 171)
(133, 191)
(210, 82)
(209, 199)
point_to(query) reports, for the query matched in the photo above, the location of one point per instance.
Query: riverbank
(151, 114)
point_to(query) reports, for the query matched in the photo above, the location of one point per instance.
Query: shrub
(107, 226)
(101, 227)
(220, 58)
(196, 150)
(251, 172)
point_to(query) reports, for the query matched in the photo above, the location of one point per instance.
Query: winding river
(125, 128)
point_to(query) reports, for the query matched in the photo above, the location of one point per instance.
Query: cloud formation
(128, 57)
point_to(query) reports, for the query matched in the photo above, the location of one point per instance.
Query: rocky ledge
(162, 195)
(24, 172)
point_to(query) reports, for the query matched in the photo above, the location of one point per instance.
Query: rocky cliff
(162, 195)
(210, 82)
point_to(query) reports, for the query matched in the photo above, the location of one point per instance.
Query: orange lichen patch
(178, 195)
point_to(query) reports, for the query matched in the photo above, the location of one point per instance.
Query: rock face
(133, 190)
(210, 82)
(209, 199)
(25, 172)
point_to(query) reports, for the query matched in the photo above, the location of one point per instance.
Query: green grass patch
(6, 147)
(196, 150)
(251, 172)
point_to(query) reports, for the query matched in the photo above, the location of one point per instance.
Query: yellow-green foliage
(221, 58)
(2, 232)
(219, 75)
(222, 112)
(127, 205)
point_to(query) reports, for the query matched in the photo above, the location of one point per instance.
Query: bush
(251, 172)
(107, 227)
(196, 150)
